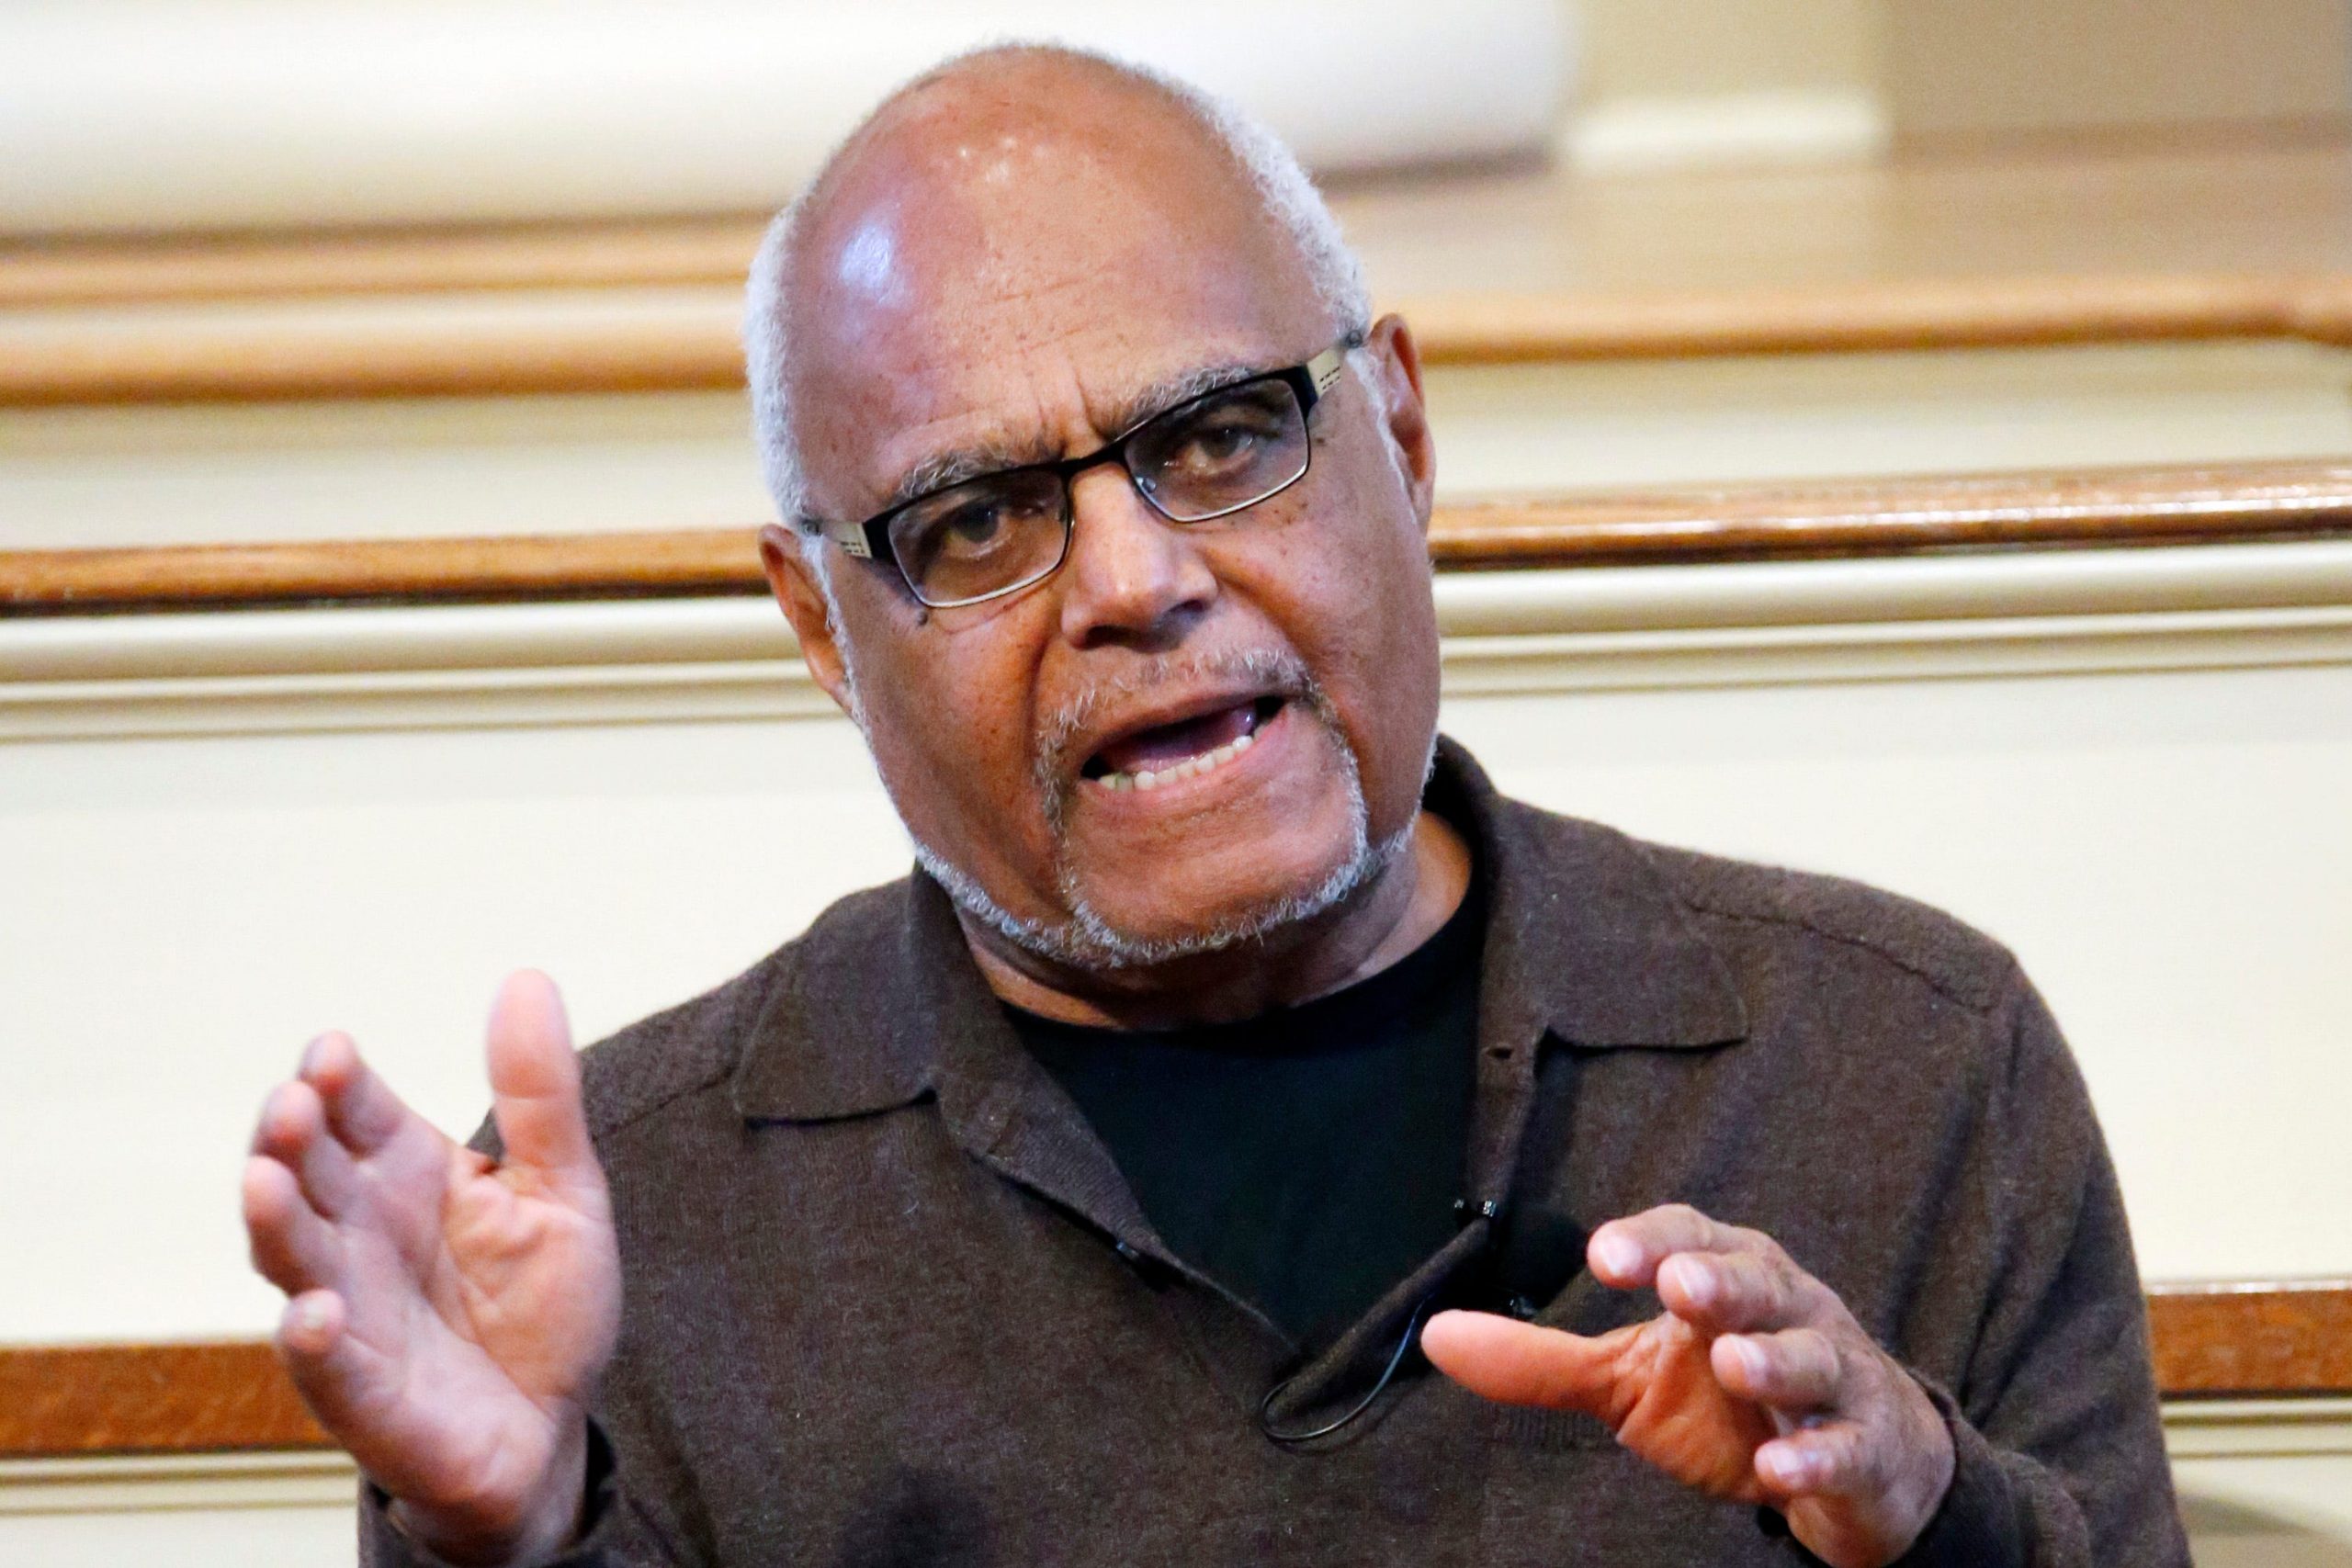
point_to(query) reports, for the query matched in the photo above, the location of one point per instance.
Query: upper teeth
(1146, 778)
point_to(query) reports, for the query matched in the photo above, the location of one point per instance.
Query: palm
(1658, 1392)
(451, 1314)
(481, 1297)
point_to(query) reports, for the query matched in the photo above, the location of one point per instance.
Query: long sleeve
(2059, 1449)
(618, 1530)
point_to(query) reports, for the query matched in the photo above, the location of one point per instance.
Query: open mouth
(1167, 753)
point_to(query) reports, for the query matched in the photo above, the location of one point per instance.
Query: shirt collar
(881, 1003)
(1586, 939)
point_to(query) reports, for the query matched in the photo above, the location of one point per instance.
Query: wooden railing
(1932, 254)
(1842, 518)
(657, 342)
(2269, 1340)
(633, 345)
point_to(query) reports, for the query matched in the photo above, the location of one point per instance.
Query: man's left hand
(1755, 1385)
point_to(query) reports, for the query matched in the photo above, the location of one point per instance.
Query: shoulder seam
(1925, 976)
(640, 1113)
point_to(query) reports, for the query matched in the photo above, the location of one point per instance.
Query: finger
(293, 1132)
(535, 1082)
(329, 1369)
(1826, 1460)
(1796, 1371)
(361, 1108)
(1736, 1292)
(1625, 1253)
(292, 1246)
(1518, 1363)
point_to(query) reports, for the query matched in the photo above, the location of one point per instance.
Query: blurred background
(1905, 438)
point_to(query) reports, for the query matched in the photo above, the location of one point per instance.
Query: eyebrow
(958, 464)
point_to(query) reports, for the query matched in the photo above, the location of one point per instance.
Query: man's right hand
(448, 1313)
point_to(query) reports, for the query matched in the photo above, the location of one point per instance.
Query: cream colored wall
(1970, 67)
(242, 828)
(1725, 81)
(1730, 81)
(1661, 48)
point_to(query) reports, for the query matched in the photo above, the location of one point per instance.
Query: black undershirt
(1306, 1159)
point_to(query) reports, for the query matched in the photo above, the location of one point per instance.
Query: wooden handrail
(2249, 1341)
(1836, 518)
(2176, 243)
(628, 344)
(185, 1398)
(2253, 1339)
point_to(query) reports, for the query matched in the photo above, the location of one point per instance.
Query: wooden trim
(1841, 518)
(2211, 1341)
(572, 566)
(85, 1399)
(1931, 314)
(1876, 516)
(543, 344)
(656, 254)
(459, 347)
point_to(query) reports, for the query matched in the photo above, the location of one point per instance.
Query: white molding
(1789, 125)
(1597, 629)
(2259, 1428)
(116, 1483)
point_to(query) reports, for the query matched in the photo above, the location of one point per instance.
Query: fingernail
(1787, 1469)
(1618, 1254)
(1750, 1355)
(1698, 1282)
(310, 1055)
(311, 1316)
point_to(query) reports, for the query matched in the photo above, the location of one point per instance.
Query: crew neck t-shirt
(1306, 1159)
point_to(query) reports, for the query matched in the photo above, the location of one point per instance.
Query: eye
(1218, 444)
(969, 530)
(1222, 438)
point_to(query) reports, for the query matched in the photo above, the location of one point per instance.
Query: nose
(1133, 578)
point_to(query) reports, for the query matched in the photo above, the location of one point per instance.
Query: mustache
(1276, 672)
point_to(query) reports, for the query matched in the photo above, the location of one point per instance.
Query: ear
(1396, 370)
(796, 590)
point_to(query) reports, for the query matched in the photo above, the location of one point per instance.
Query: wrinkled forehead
(967, 277)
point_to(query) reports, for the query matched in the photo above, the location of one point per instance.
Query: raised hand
(448, 1315)
(1755, 1385)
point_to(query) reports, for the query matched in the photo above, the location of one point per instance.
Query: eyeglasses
(1208, 457)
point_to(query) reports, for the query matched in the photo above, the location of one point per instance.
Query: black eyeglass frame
(1309, 382)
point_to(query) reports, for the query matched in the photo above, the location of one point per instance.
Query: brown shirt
(889, 1301)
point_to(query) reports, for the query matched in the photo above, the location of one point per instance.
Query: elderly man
(1106, 1193)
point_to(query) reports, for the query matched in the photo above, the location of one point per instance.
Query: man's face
(985, 286)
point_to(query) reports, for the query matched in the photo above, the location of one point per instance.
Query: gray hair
(1290, 198)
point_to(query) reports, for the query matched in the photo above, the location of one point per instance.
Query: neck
(1385, 920)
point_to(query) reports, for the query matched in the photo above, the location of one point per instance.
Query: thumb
(535, 1083)
(1518, 1363)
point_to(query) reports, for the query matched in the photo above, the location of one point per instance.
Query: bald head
(975, 199)
(1022, 264)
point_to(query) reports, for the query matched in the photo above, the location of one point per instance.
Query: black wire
(1291, 1438)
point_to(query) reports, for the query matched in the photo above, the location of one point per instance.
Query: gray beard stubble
(1086, 940)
